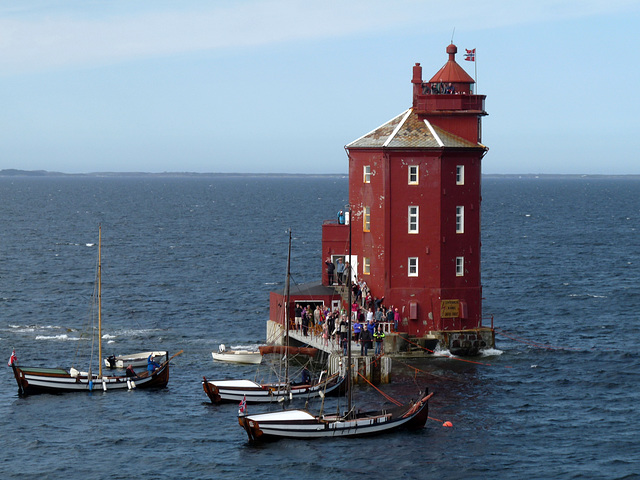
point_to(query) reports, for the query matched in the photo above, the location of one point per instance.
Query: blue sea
(188, 263)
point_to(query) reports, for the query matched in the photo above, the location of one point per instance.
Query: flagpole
(475, 66)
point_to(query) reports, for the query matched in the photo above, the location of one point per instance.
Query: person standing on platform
(379, 338)
(330, 269)
(340, 270)
(365, 341)
(396, 319)
(298, 318)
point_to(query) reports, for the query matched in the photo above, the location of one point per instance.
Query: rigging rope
(392, 400)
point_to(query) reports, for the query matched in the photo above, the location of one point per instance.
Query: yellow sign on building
(449, 308)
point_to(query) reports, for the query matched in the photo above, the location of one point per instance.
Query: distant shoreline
(44, 173)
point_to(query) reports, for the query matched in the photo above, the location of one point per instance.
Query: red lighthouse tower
(414, 194)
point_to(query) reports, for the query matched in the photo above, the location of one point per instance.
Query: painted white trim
(398, 127)
(433, 132)
(369, 133)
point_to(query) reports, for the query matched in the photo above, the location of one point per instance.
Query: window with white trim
(366, 265)
(413, 174)
(366, 173)
(459, 174)
(366, 219)
(412, 271)
(413, 219)
(459, 219)
(459, 266)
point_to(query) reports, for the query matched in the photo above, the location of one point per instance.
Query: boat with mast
(35, 380)
(301, 423)
(250, 391)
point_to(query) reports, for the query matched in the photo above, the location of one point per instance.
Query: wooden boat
(253, 392)
(220, 391)
(134, 359)
(33, 380)
(237, 356)
(301, 423)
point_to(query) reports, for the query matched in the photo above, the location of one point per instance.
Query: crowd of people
(368, 314)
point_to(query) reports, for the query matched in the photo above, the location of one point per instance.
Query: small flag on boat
(13, 359)
(243, 405)
(470, 56)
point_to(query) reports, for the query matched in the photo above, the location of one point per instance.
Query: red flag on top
(243, 405)
(470, 56)
(13, 359)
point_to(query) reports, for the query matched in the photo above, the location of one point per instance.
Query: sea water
(188, 263)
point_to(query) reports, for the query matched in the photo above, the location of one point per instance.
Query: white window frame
(412, 266)
(413, 219)
(366, 265)
(414, 171)
(366, 219)
(459, 219)
(459, 174)
(459, 266)
(366, 174)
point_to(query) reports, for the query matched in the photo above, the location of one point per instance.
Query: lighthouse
(413, 222)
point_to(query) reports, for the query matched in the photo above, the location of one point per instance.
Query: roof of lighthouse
(451, 71)
(408, 130)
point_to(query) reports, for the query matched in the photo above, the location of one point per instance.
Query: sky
(281, 86)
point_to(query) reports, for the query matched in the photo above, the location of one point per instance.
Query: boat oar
(174, 356)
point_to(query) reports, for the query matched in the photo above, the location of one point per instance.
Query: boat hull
(220, 391)
(302, 424)
(33, 381)
(238, 356)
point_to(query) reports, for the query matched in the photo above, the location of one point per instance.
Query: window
(459, 266)
(413, 219)
(459, 219)
(366, 173)
(413, 175)
(366, 219)
(413, 267)
(366, 265)
(459, 174)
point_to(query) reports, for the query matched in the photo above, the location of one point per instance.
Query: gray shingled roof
(407, 130)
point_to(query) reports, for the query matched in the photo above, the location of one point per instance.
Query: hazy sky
(282, 85)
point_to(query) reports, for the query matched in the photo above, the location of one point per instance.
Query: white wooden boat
(32, 380)
(237, 356)
(135, 359)
(220, 391)
(300, 423)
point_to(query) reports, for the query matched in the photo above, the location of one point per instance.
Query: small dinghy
(237, 356)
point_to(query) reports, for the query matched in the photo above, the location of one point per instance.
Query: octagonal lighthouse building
(413, 220)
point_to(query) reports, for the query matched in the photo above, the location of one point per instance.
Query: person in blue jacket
(151, 364)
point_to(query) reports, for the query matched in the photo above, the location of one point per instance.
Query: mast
(99, 300)
(349, 380)
(286, 315)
